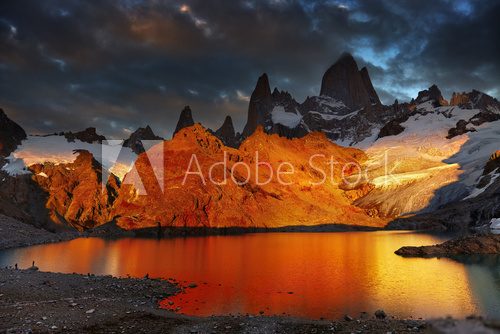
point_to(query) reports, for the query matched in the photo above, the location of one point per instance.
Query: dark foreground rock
(469, 245)
(40, 302)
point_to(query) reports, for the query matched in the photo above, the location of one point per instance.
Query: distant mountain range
(442, 158)
(348, 109)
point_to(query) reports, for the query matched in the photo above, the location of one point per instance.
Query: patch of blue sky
(381, 58)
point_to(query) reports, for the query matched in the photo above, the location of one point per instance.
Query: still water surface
(301, 274)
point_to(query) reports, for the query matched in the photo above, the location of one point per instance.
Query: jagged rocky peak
(260, 105)
(185, 119)
(145, 133)
(344, 82)
(262, 89)
(374, 99)
(226, 133)
(136, 138)
(281, 94)
(475, 100)
(432, 94)
(89, 135)
(227, 127)
(459, 99)
(11, 135)
(286, 100)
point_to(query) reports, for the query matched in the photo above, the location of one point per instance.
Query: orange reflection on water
(303, 274)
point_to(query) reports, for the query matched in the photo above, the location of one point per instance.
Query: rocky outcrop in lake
(469, 245)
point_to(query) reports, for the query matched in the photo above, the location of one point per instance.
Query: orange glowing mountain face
(74, 193)
(149, 196)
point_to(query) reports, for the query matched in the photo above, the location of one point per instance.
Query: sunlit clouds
(198, 22)
(184, 9)
(242, 96)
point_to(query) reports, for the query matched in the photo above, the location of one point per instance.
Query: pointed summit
(136, 138)
(227, 128)
(89, 135)
(474, 100)
(260, 105)
(344, 82)
(372, 94)
(432, 94)
(226, 133)
(185, 119)
(262, 88)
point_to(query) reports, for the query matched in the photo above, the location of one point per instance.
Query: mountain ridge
(446, 147)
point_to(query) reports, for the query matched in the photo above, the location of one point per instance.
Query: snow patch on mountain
(478, 191)
(288, 119)
(15, 167)
(331, 102)
(57, 150)
(493, 109)
(420, 169)
(328, 116)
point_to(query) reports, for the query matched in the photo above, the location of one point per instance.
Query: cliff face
(344, 82)
(75, 197)
(372, 94)
(260, 105)
(11, 135)
(59, 196)
(200, 202)
(21, 198)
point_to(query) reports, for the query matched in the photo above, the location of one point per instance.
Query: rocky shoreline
(469, 245)
(14, 233)
(40, 302)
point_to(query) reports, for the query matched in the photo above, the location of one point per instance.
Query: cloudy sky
(118, 65)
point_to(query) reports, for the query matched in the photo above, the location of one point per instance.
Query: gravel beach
(40, 302)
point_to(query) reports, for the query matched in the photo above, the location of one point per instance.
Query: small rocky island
(469, 245)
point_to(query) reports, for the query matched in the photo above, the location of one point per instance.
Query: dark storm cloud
(117, 65)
